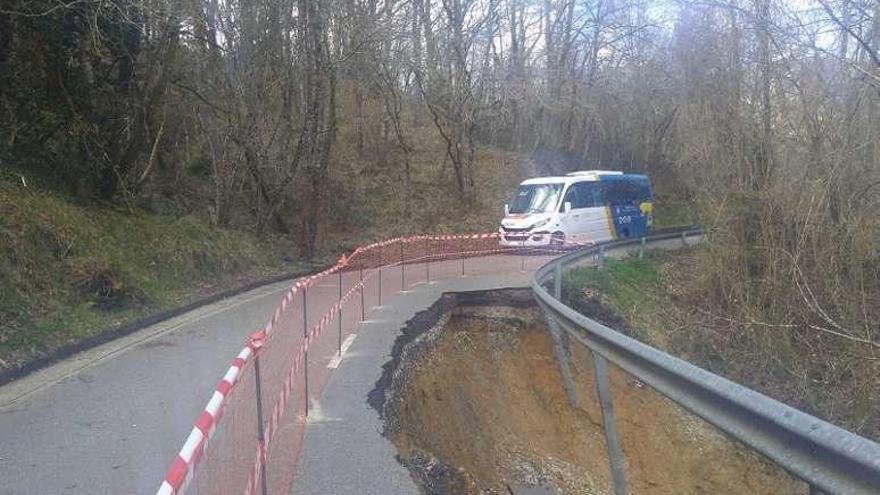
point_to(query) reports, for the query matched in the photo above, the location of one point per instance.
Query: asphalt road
(344, 452)
(111, 419)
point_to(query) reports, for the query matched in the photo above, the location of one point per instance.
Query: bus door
(587, 221)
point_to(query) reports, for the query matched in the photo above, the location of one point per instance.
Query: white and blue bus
(581, 207)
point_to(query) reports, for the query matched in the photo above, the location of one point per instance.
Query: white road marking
(334, 363)
(16, 390)
(316, 414)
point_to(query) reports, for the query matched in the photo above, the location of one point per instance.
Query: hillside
(71, 269)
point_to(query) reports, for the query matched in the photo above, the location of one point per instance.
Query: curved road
(111, 419)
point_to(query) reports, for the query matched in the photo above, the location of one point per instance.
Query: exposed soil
(474, 401)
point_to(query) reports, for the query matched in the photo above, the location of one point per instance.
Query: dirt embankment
(475, 403)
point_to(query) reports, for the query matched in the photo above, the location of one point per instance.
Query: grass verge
(68, 272)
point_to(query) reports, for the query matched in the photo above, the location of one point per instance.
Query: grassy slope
(659, 309)
(67, 271)
(631, 286)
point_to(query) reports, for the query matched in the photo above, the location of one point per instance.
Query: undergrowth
(69, 271)
(657, 301)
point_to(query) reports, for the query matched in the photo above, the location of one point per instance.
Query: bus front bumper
(523, 238)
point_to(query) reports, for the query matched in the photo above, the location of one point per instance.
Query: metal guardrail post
(305, 353)
(560, 349)
(557, 281)
(615, 452)
(560, 344)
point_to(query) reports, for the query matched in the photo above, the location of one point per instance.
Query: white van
(579, 208)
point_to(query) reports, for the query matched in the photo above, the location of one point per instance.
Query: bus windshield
(535, 198)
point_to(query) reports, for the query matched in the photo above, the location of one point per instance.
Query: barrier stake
(306, 352)
(261, 436)
(361, 277)
(380, 278)
(461, 253)
(339, 316)
(642, 248)
(427, 261)
(615, 452)
(402, 269)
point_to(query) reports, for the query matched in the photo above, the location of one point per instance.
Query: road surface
(111, 419)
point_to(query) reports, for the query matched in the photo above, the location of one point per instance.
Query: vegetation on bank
(659, 300)
(68, 271)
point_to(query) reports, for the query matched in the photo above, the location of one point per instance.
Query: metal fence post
(642, 245)
(427, 260)
(339, 316)
(600, 259)
(361, 280)
(305, 352)
(615, 452)
(256, 343)
(402, 269)
(461, 253)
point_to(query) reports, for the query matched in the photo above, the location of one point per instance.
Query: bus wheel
(557, 240)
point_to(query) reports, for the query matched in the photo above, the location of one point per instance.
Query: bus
(584, 207)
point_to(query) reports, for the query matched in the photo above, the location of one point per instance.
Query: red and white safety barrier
(182, 469)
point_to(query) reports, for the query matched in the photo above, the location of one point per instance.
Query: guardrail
(828, 458)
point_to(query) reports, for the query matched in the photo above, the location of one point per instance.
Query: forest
(317, 119)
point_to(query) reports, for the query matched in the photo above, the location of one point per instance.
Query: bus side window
(622, 193)
(571, 196)
(611, 193)
(590, 195)
(585, 195)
